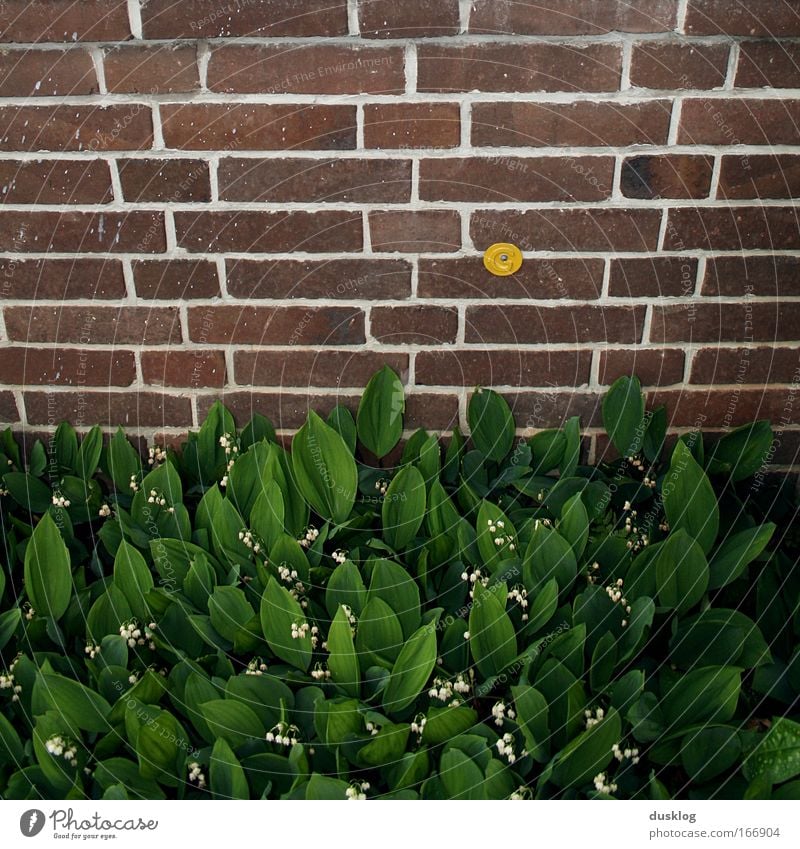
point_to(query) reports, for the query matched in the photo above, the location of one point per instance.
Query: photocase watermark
(64, 824)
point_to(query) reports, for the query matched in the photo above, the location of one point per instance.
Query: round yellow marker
(502, 259)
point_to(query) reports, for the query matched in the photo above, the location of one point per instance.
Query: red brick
(40, 73)
(97, 128)
(87, 232)
(774, 276)
(414, 325)
(175, 279)
(247, 325)
(269, 232)
(314, 368)
(151, 69)
(745, 365)
(94, 325)
(663, 276)
(409, 19)
(55, 181)
(266, 18)
(502, 368)
(581, 124)
(653, 367)
(64, 20)
(768, 63)
(537, 409)
(740, 121)
(8, 408)
(315, 180)
(733, 228)
(718, 322)
(164, 180)
(760, 177)
(525, 325)
(258, 126)
(431, 411)
(420, 231)
(411, 125)
(675, 176)
(184, 368)
(307, 69)
(706, 408)
(754, 17)
(568, 229)
(109, 409)
(66, 367)
(361, 279)
(518, 67)
(679, 65)
(509, 178)
(466, 277)
(61, 279)
(571, 17)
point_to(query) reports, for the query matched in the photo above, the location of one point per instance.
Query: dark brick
(466, 277)
(773, 276)
(581, 124)
(258, 126)
(189, 369)
(661, 367)
(745, 365)
(61, 279)
(361, 279)
(740, 121)
(760, 177)
(526, 325)
(502, 368)
(768, 63)
(164, 180)
(518, 67)
(109, 409)
(536, 409)
(175, 279)
(412, 125)
(409, 19)
(315, 180)
(679, 65)
(55, 181)
(733, 228)
(725, 322)
(31, 366)
(769, 18)
(509, 178)
(46, 73)
(269, 232)
(248, 325)
(568, 229)
(416, 231)
(152, 69)
(64, 20)
(711, 408)
(663, 276)
(314, 368)
(8, 408)
(676, 176)
(414, 325)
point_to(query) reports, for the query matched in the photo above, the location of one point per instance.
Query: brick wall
(266, 199)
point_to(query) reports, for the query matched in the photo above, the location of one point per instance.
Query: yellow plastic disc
(503, 259)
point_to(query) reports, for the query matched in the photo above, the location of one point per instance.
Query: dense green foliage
(489, 619)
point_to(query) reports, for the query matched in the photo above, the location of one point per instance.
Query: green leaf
(702, 695)
(80, 706)
(279, 611)
(380, 413)
(232, 721)
(492, 640)
(491, 423)
(411, 670)
(623, 415)
(532, 713)
(230, 612)
(123, 461)
(379, 635)
(490, 516)
(547, 556)
(777, 755)
(707, 752)
(342, 659)
(397, 588)
(89, 453)
(341, 420)
(403, 508)
(681, 572)
(324, 469)
(736, 552)
(133, 578)
(268, 513)
(29, 492)
(48, 577)
(547, 448)
(8, 624)
(228, 780)
(742, 452)
(574, 524)
(689, 499)
(446, 723)
(588, 754)
(460, 776)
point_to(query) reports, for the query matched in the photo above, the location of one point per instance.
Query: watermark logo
(31, 822)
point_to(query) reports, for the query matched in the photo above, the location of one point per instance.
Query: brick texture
(265, 200)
